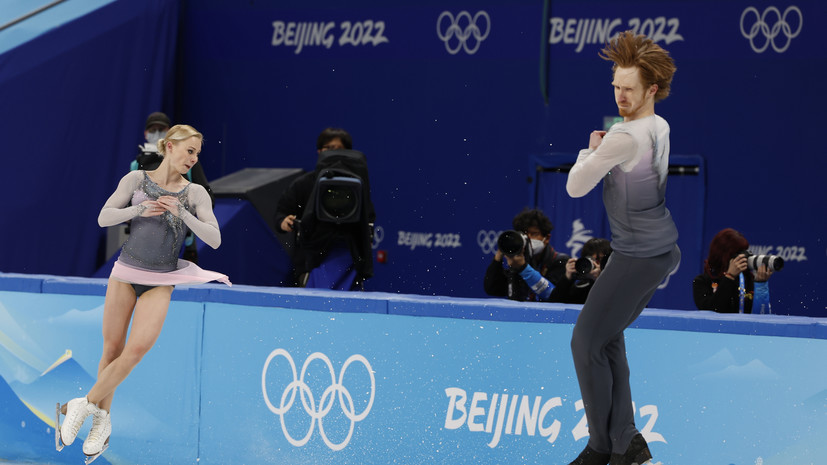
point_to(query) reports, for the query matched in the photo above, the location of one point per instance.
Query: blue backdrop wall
(74, 99)
(449, 118)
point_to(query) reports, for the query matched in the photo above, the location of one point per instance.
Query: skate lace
(77, 420)
(96, 433)
(74, 428)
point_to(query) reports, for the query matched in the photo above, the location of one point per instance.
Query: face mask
(154, 136)
(537, 246)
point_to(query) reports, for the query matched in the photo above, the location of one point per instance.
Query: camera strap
(742, 289)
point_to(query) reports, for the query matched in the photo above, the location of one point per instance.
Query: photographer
(731, 281)
(582, 272)
(531, 274)
(328, 255)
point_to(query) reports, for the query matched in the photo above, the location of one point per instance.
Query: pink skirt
(187, 273)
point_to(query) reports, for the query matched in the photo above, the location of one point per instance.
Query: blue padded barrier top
(435, 306)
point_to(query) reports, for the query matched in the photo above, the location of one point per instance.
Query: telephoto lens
(512, 242)
(773, 262)
(583, 265)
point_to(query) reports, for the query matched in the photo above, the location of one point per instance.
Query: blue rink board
(217, 387)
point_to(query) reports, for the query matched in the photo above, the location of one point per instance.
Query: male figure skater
(632, 160)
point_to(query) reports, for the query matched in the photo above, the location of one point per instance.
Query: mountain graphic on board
(61, 382)
(25, 435)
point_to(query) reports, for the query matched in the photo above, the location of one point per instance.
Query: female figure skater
(164, 205)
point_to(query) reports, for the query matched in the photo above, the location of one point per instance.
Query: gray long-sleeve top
(633, 162)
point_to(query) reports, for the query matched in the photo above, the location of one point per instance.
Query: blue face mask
(154, 136)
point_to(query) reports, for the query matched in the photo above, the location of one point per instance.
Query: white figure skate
(98, 439)
(75, 412)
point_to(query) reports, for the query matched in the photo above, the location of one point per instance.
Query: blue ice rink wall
(267, 375)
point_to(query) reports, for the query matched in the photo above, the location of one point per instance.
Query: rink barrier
(436, 306)
(426, 378)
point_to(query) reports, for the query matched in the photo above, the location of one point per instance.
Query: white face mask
(154, 136)
(537, 246)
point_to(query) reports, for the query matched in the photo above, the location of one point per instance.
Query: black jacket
(721, 294)
(571, 291)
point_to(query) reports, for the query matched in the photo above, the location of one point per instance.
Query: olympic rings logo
(378, 236)
(325, 402)
(487, 240)
(780, 26)
(470, 29)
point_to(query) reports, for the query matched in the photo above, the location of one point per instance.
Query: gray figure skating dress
(150, 254)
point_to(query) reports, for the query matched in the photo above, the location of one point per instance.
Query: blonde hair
(628, 50)
(176, 134)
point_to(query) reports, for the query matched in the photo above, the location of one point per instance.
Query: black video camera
(339, 208)
(341, 187)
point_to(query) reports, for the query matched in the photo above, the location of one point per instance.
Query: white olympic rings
(770, 33)
(463, 34)
(378, 236)
(308, 401)
(487, 240)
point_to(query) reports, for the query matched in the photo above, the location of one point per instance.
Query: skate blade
(91, 458)
(58, 440)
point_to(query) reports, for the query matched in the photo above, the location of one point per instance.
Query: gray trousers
(598, 347)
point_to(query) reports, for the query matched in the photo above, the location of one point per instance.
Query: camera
(338, 210)
(585, 265)
(512, 243)
(772, 262)
(339, 199)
